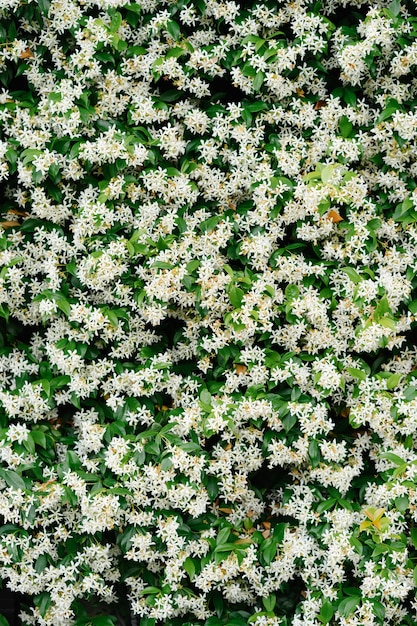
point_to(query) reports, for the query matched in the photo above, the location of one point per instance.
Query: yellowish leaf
(26, 54)
(9, 224)
(334, 217)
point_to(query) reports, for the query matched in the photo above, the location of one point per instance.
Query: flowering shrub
(208, 296)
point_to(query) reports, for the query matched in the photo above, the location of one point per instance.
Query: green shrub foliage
(208, 244)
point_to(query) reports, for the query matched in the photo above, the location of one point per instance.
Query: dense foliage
(208, 397)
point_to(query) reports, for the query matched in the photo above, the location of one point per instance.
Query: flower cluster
(208, 244)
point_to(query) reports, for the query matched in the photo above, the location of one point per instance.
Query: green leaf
(258, 81)
(4, 312)
(269, 550)
(345, 126)
(412, 307)
(326, 505)
(289, 421)
(349, 97)
(381, 308)
(64, 305)
(223, 535)
(399, 470)
(112, 317)
(269, 602)
(13, 479)
(276, 180)
(353, 274)
(326, 612)
(210, 223)
(44, 6)
(328, 172)
(193, 265)
(236, 296)
(381, 548)
(150, 591)
(391, 107)
(43, 601)
(162, 265)
(117, 43)
(393, 380)
(387, 322)
(29, 155)
(401, 503)
(212, 486)
(4, 621)
(352, 591)
(29, 444)
(189, 567)
(356, 373)
(394, 7)
(314, 453)
(205, 397)
(54, 172)
(40, 564)
(60, 381)
(291, 292)
(54, 192)
(348, 605)
(379, 609)
(403, 209)
(134, 8)
(115, 22)
(390, 456)
(413, 536)
(272, 358)
(103, 620)
(374, 224)
(39, 438)
(279, 532)
(175, 53)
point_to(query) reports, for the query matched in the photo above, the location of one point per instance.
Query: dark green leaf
(348, 605)
(314, 453)
(40, 564)
(13, 479)
(391, 107)
(269, 550)
(103, 620)
(210, 223)
(173, 29)
(39, 438)
(379, 609)
(258, 81)
(44, 6)
(413, 536)
(43, 601)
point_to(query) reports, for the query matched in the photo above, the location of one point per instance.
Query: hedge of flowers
(208, 301)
